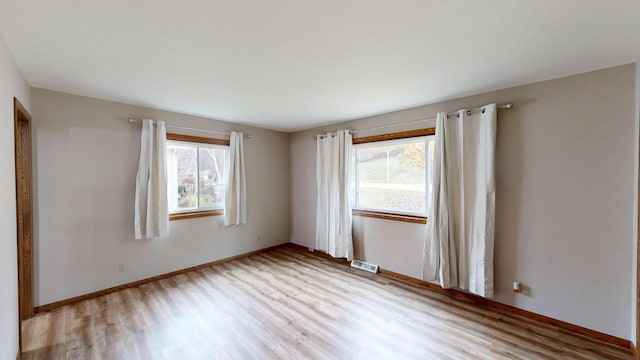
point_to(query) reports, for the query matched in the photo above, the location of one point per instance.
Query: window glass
(392, 175)
(354, 179)
(195, 176)
(184, 171)
(212, 177)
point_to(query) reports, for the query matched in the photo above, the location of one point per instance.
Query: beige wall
(635, 267)
(11, 84)
(564, 197)
(86, 158)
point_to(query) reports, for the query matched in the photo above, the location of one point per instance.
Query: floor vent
(364, 266)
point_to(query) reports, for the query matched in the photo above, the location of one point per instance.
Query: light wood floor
(289, 305)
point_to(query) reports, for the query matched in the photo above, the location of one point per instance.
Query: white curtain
(333, 217)
(151, 208)
(235, 201)
(458, 251)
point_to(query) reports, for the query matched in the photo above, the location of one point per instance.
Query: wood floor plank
(285, 304)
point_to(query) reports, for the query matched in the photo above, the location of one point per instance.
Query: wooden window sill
(195, 214)
(390, 216)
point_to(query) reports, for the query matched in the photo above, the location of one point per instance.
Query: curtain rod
(135, 121)
(499, 107)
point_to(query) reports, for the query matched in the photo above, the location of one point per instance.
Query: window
(196, 174)
(392, 176)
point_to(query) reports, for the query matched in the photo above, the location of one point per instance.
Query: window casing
(196, 175)
(392, 176)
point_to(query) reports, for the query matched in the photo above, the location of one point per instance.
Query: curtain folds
(333, 216)
(151, 209)
(235, 201)
(458, 250)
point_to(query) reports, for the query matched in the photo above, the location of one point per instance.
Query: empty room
(355, 179)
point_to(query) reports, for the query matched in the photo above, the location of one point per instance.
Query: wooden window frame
(394, 136)
(200, 140)
(197, 139)
(390, 215)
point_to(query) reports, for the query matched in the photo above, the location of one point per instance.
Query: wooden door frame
(24, 210)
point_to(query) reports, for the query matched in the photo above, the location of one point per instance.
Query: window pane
(431, 146)
(212, 177)
(392, 177)
(352, 180)
(181, 171)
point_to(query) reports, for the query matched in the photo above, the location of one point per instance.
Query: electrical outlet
(258, 239)
(516, 287)
(122, 267)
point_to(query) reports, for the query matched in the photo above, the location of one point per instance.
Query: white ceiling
(296, 64)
